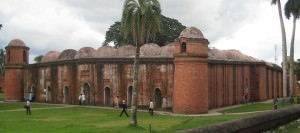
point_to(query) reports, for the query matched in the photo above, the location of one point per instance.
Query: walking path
(213, 112)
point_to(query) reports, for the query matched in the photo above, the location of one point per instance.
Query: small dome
(150, 49)
(168, 50)
(67, 54)
(51, 56)
(86, 52)
(16, 42)
(191, 32)
(106, 51)
(230, 55)
(126, 50)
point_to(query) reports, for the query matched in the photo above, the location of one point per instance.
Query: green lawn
(1, 96)
(20, 105)
(256, 107)
(250, 108)
(94, 120)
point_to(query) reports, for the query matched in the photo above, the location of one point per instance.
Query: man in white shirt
(151, 107)
(83, 99)
(80, 99)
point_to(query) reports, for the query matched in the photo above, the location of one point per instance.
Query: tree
(170, 30)
(114, 35)
(292, 7)
(140, 20)
(38, 58)
(2, 61)
(284, 48)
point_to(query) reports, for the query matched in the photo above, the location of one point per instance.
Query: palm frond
(292, 7)
(274, 2)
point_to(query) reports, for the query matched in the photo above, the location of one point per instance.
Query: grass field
(256, 107)
(94, 120)
(48, 118)
(1, 96)
(17, 106)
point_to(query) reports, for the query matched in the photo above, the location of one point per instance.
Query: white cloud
(249, 26)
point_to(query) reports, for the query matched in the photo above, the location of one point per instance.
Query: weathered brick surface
(1, 83)
(188, 81)
(190, 89)
(15, 59)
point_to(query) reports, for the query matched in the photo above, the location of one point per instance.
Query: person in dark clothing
(124, 107)
(27, 106)
(275, 101)
(298, 99)
(292, 101)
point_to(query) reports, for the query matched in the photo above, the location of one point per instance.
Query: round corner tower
(16, 58)
(191, 73)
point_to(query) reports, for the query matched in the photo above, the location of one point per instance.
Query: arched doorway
(157, 98)
(86, 92)
(107, 96)
(129, 95)
(66, 95)
(48, 94)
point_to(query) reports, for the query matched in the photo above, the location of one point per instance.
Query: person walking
(151, 107)
(117, 102)
(292, 100)
(80, 99)
(275, 101)
(124, 107)
(246, 98)
(27, 106)
(83, 99)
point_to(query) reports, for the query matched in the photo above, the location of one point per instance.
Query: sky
(251, 26)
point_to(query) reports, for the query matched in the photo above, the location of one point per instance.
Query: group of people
(81, 99)
(124, 107)
(283, 101)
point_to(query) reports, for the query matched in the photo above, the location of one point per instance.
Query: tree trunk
(292, 58)
(284, 49)
(135, 87)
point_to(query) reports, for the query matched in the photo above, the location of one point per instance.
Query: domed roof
(51, 56)
(67, 54)
(191, 32)
(168, 50)
(106, 51)
(150, 49)
(16, 42)
(126, 50)
(230, 55)
(86, 52)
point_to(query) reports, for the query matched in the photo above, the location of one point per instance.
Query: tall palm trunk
(292, 58)
(284, 49)
(135, 86)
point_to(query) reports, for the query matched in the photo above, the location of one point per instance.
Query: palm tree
(140, 20)
(292, 7)
(284, 51)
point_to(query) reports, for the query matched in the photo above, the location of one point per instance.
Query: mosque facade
(185, 76)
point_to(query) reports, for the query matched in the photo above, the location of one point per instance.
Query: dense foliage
(38, 58)
(170, 30)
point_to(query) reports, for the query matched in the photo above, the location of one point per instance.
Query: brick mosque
(185, 76)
